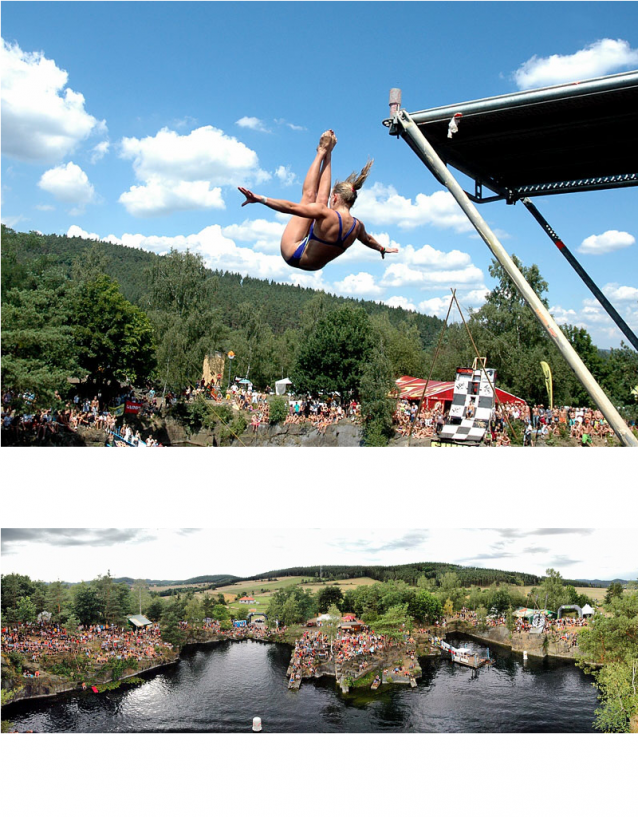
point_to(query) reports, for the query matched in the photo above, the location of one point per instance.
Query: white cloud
(252, 123)
(436, 306)
(475, 298)
(99, 151)
(68, 183)
(12, 221)
(159, 198)
(44, 207)
(217, 251)
(603, 57)
(179, 172)
(382, 204)
(358, 285)
(621, 293)
(402, 301)
(262, 235)
(610, 241)
(41, 120)
(289, 125)
(285, 175)
(77, 232)
(405, 275)
(313, 280)
(563, 316)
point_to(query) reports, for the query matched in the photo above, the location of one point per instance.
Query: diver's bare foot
(327, 141)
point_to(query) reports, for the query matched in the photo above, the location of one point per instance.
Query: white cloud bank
(381, 204)
(610, 241)
(603, 57)
(41, 120)
(592, 317)
(358, 285)
(69, 184)
(186, 172)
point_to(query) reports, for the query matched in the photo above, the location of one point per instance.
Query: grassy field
(262, 590)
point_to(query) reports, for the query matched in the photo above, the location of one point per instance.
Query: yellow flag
(548, 382)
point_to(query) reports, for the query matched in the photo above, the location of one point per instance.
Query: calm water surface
(221, 687)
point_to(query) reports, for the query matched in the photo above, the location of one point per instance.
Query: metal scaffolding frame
(407, 126)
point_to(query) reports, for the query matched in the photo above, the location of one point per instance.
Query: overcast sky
(76, 554)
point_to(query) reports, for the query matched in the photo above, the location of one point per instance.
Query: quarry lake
(222, 687)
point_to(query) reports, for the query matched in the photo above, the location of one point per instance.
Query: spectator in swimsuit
(321, 227)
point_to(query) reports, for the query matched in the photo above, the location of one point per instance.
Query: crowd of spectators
(20, 423)
(99, 643)
(321, 413)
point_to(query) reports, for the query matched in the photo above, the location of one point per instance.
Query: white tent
(280, 385)
(588, 610)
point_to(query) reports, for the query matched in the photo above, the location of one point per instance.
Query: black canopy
(579, 136)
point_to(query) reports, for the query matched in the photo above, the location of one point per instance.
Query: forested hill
(280, 305)
(409, 573)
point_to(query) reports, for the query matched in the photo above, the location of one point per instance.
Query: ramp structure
(562, 139)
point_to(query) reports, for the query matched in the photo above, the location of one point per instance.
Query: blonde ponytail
(348, 189)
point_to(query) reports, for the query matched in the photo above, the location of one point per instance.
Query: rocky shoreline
(539, 646)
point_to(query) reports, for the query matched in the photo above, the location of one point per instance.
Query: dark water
(221, 687)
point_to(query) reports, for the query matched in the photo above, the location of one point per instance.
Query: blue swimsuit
(295, 260)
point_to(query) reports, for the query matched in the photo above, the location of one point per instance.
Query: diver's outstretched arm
(292, 208)
(369, 241)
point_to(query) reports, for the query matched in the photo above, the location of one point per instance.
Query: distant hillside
(217, 579)
(282, 303)
(409, 573)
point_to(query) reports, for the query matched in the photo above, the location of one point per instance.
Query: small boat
(376, 683)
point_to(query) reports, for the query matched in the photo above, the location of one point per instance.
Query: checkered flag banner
(471, 407)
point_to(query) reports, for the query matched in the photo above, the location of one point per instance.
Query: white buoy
(256, 724)
(524, 655)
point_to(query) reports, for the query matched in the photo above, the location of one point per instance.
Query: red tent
(440, 391)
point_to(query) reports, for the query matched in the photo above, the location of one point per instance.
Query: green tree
(376, 407)
(195, 613)
(87, 604)
(39, 353)
(395, 623)
(155, 609)
(110, 600)
(114, 338)
(278, 410)
(612, 641)
(425, 607)
(292, 613)
(185, 323)
(327, 596)
(57, 599)
(171, 631)
(614, 591)
(331, 359)
(25, 611)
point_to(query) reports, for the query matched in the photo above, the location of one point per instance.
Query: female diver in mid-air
(321, 227)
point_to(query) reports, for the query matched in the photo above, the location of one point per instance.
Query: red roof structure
(441, 391)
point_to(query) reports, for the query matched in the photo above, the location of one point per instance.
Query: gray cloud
(564, 561)
(15, 538)
(409, 541)
(481, 557)
(413, 539)
(560, 531)
(536, 549)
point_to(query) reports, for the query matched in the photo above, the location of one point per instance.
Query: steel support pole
(600, 297)
(410, 132)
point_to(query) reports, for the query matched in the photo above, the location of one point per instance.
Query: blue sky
(135, 122)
